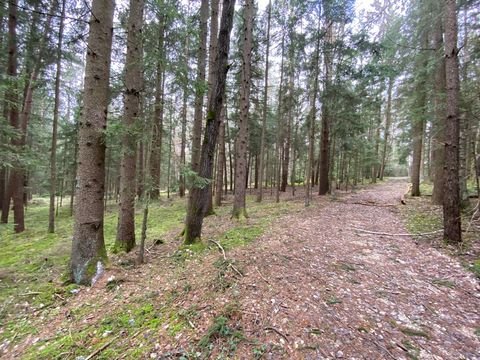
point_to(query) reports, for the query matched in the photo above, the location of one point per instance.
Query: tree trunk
(279, 154)
(451, 200)
(156, 153)
(200, 86)
(438, 128)
(261, 166)
(53, 155)
(419, 115)
(125, 240)
(311, 125)
(211, 79)
(88, 247)
(183, 141)
(197, 199)
(324, 170)
(241, 150)
(221, 159)
(388, 124)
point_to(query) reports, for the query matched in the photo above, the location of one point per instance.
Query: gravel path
(316, 288)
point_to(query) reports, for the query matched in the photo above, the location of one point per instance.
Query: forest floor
(340, 279)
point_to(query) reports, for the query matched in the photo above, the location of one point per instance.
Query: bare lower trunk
(53, 156)
(239, 205)
(220, 162)
(88, 247)
(451, 201)
(125, 240)
(261, 166)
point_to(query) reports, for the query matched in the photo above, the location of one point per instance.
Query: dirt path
(315, 288)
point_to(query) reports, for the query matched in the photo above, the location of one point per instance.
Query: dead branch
(370, 204)
(101, 348)
(220, 247)
(400, 234)
(261, 276)
(271, 328)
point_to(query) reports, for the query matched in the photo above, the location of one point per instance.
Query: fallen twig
(101, 348)
(369, 204)
(271, 328)
(220, 247)
(235, 269)
(261, 276)
(30, 293)
(400, 234)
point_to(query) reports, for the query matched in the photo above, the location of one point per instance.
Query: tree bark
(451, 200)
(241, 150)
(125, 240)
(221, 161)
(88, 247)
(197, 199)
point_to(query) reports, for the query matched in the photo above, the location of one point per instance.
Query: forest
(221, 179)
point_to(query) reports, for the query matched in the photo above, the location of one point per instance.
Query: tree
(133, 86)
(451, 199)
(261, 166)
(200, 86)
(241, 151)
(88, 247)
(198, 194)
(438, 138)
(15, 185)
(53, 156)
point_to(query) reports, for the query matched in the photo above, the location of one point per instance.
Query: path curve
(318, 289)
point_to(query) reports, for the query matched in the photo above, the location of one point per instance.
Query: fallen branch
(370, 204)
(271, 328)
(400, 234)
(261, 276)
(30, 293)
(101, 348)
(220, 247)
